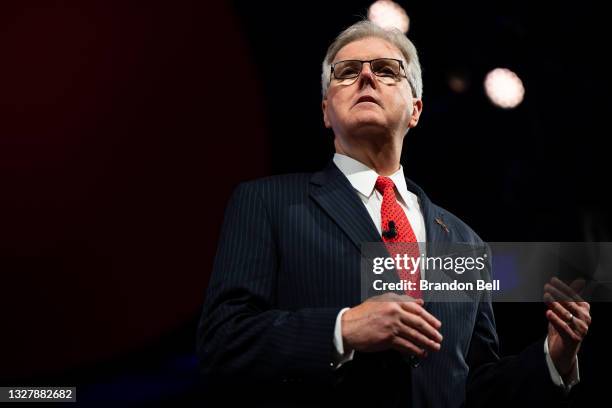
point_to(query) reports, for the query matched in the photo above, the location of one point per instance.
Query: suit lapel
(336, 196)
(436, 229)
(437, 233)
(332, 191)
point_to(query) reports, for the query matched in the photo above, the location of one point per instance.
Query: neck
(384, 158)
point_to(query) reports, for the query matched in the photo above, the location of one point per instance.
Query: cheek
(330, 112)
(403, 105)
(335, 106)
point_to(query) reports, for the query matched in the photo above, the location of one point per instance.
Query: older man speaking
(283, 323)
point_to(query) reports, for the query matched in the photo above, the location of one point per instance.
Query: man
(283, 323)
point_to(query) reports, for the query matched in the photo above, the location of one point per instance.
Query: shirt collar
(363, 178)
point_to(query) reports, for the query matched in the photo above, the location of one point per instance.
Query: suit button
(414, 361)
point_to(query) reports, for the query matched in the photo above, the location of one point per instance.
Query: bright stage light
(504, 88)
(388, 14)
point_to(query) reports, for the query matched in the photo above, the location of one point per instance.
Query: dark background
(124, 126)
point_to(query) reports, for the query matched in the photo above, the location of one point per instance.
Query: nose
(367, 76)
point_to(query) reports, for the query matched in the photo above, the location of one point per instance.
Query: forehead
(368, 48)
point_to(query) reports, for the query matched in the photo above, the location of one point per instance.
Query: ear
(417, 108)
(325, 118)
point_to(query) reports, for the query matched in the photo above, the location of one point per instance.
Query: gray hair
(364, 29)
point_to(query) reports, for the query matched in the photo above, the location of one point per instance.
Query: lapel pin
(443, 225)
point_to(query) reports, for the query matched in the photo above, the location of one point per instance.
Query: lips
(367, 98)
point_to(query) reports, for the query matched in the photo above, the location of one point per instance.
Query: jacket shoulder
(277, 182)
(275, 189)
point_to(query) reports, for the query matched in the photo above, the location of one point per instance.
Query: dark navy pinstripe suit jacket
(288, 260)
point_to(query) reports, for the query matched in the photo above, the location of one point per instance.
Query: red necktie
(396, 230)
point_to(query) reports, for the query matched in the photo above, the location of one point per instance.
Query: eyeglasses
(387, 70)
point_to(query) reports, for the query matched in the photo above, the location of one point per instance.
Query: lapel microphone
(391, 232)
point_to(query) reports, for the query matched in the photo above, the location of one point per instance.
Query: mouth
(367, 98)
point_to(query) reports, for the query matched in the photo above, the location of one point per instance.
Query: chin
(368, 128)
(368, 120)
(366, 112)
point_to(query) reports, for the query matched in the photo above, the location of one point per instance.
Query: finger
(399, 299)
(556, 294)
(578, 309)
(410, 300)
(579, 312)
(578, 326)
(566, 290)
(562, 327)
(419, 310)
(421, 325)
(418, 338)
(402, 345)
(559, 310)
(579, 286)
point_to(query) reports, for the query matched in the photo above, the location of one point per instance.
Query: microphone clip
(391, 232)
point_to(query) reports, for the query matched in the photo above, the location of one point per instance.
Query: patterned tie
(396, 230)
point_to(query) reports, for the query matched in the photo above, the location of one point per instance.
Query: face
(367, 106)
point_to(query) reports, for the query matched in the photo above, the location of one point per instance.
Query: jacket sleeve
(241, 334)
(511, 381)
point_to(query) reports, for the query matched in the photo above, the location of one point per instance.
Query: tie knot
(383, 183)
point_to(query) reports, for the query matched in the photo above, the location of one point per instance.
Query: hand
(391, 321)
(569, 319)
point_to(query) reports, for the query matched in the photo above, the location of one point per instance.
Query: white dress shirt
(363, 180)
